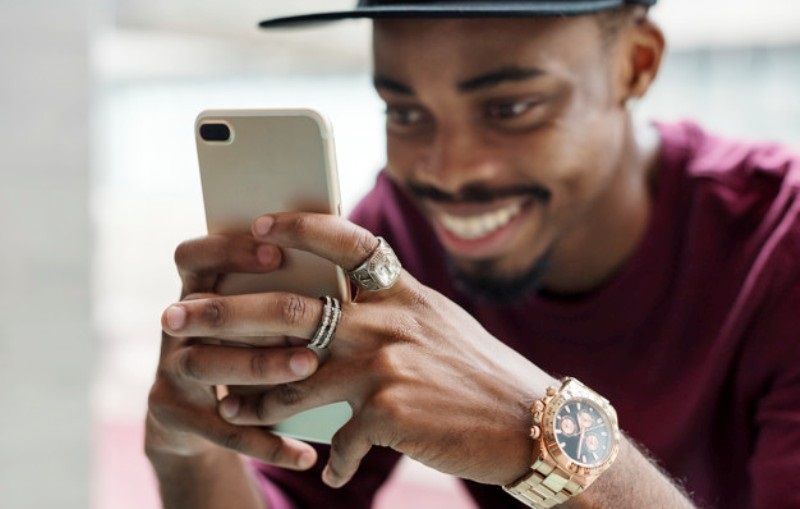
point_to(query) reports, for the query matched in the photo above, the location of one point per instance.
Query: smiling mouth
(477, 226)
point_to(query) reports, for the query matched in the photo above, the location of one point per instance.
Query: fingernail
(229, 407)
(265, 254)
(263, 225)
(300, 364)
(176, 317)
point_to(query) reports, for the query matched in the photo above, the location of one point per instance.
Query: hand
(182, 418)
(422, 376)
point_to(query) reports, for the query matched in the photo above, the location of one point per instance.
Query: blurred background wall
(113, 86)
(47, 345)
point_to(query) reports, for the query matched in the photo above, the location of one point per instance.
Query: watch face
(583, 432)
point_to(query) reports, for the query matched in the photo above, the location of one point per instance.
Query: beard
(484, 282)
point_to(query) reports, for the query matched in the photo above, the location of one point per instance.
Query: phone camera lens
(215, 132)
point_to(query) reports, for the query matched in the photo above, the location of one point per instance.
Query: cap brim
(445, 10)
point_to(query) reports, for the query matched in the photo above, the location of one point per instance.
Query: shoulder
(729, 162)
(729, 187)
(737, 206)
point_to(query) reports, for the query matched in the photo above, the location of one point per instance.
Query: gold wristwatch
(576, 438)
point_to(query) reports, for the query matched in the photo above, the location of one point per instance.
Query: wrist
(192, 466)
(164, 445)
(576, 438)
(209, 479)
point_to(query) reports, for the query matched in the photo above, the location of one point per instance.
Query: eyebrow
(390, 85)
(474, 84)
(502, 75)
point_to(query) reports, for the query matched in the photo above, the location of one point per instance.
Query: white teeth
(477, 226)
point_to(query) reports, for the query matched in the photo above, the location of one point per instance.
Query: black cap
(377, 9)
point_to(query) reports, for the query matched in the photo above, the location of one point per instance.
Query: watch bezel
(571, 391)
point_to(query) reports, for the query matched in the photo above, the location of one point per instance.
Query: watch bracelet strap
(545, 486)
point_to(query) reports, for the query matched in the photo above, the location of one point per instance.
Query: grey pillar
(45, 333)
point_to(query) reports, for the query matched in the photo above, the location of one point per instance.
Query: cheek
(578, 160)
(401, 158)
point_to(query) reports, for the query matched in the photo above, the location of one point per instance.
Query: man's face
(508, 133)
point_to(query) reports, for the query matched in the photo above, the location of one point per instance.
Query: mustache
(479, 193)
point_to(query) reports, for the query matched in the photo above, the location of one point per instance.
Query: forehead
(466, 46)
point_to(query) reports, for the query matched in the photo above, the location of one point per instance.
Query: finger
(200, 260)
(348, 447)
(278, 403)
(257, 443)
(244, 316)
(331, 237)
(184, 418)
(220, 365)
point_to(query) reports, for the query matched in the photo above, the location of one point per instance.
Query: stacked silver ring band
(331, 316)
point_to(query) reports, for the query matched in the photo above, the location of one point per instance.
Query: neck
(611, 231)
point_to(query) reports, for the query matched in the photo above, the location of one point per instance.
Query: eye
(510, 109)
(404, 115)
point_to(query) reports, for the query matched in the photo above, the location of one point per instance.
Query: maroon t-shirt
(694, 341)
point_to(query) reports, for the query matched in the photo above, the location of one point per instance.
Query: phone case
(274, 160)
(254, 162)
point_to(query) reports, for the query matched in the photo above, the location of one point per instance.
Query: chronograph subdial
(568, 426)
(582, 432)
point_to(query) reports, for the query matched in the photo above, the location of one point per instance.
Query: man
(543, 236)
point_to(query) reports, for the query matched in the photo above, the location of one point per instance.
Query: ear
(641, 48)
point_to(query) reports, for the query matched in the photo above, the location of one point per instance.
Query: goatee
(484, 282)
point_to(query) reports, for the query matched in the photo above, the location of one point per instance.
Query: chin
(486, 281)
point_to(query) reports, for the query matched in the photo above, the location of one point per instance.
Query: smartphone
(254, 162)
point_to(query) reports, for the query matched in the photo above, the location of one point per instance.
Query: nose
(458, 157)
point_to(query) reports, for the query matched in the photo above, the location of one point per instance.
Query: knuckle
(386, 406)
(183, 253)
(383, 362)
(233, 440)
(293, 309)
(259, 365)
(363, 243)
(300, 225)
(155, 400)
(289, 394)
(261, 407)
(159, 404)
(188, 365)
(161, 413)
(274, 456)
(400, 329)
(420, 299)
(214, 312)
(220, 252)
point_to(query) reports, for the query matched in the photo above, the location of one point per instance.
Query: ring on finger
(379, 271)
(329, 322)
